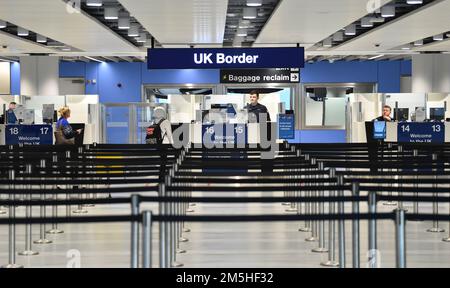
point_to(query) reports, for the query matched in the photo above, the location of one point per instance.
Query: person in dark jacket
(256, 110)
(10, 115)
(387, 110)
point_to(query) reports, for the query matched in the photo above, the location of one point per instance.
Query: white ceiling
(421, 24)
(308, 22)
(17, 45)
(53, 19)
(181, 21)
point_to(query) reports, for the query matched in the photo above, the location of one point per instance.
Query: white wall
(431, 73)
(39, 75)
(5, 78)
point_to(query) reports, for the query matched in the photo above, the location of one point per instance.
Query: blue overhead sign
(222, 58)
(427, 132)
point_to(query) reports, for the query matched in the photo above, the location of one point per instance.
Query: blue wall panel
(15, 78)
(72, 69)
(389, 76)
(110, 75)
(406, 69)
(326, 72)
(319, 136)
(92, 74)
(192, 76)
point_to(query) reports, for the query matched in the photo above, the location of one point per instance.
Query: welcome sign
(222, 58)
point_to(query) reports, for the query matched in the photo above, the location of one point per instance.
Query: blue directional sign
(29, 134)
(223, 134)
(286, 126)
(415, 132)
(222, 58)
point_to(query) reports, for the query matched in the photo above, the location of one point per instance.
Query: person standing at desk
(255, 109)
(64, 133)
(10, 115)
(387, 110)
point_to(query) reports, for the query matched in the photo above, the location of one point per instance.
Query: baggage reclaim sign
(258, 76)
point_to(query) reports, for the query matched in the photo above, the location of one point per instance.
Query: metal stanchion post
(147, 239)
(307, 227)
(28, 227)
(162, 229)
(447, 239)
(80, 209)
(172, 226)
(341, 225)
(55, 229)
(390, 193)
(314, 223)
(12, 227)
(400, 238)
(355, 228)
(331, 262)
(68, 157)
(43, 210)
(299, 193)
(321, 248)
(373, 261)
(435, 228)
(135, 232)
(416, 194)
(400, 155)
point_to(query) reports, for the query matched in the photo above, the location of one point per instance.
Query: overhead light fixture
(388, 11)
(133, 31)
(375, 57)
(231, 15)
(413, 2)
(232, 26)
(241, 32)
(250, 13)
(254, 3)
(94, 59)
(338, 36)
(66, 49)
(111, 13)
(438, 37)
(350, 30)
(142, 38)
(366, 23)
(22, 32)
(327, 43)
(94, 3)
(2, 24)
(406, 48)
(377, 19)
(124, 23)
(41, 39)
(418, 43)
(244, 23)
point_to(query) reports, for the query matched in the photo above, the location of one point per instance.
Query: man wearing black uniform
(258, 113)
(386, 114)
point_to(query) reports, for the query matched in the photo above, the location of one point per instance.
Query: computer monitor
(401, 114)
(437, 114)
(379, 130)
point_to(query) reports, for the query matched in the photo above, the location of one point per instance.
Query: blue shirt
(11, 117)
(67, 130)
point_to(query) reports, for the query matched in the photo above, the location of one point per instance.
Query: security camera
(4, 46)
(377, 45)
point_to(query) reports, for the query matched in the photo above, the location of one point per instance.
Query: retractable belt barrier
(308, 176)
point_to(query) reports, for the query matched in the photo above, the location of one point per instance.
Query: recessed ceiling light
(250, 13)
(388, 11)
(418, 43)
(133, 31)
(350, 30)
(241, 32)
(142, 38)
(66, 49)
(124, 23)
(375, 57)
(327, 43)
(22, 32)
(2, 24)
(366, 23)
(254, 3)
(438, 37)
(41, 39)
(111, 13)
(406, 48)
(338, 36)
(94, 3)
(414, 2)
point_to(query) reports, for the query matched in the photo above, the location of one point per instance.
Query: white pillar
(431, 73)
(39, 75)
